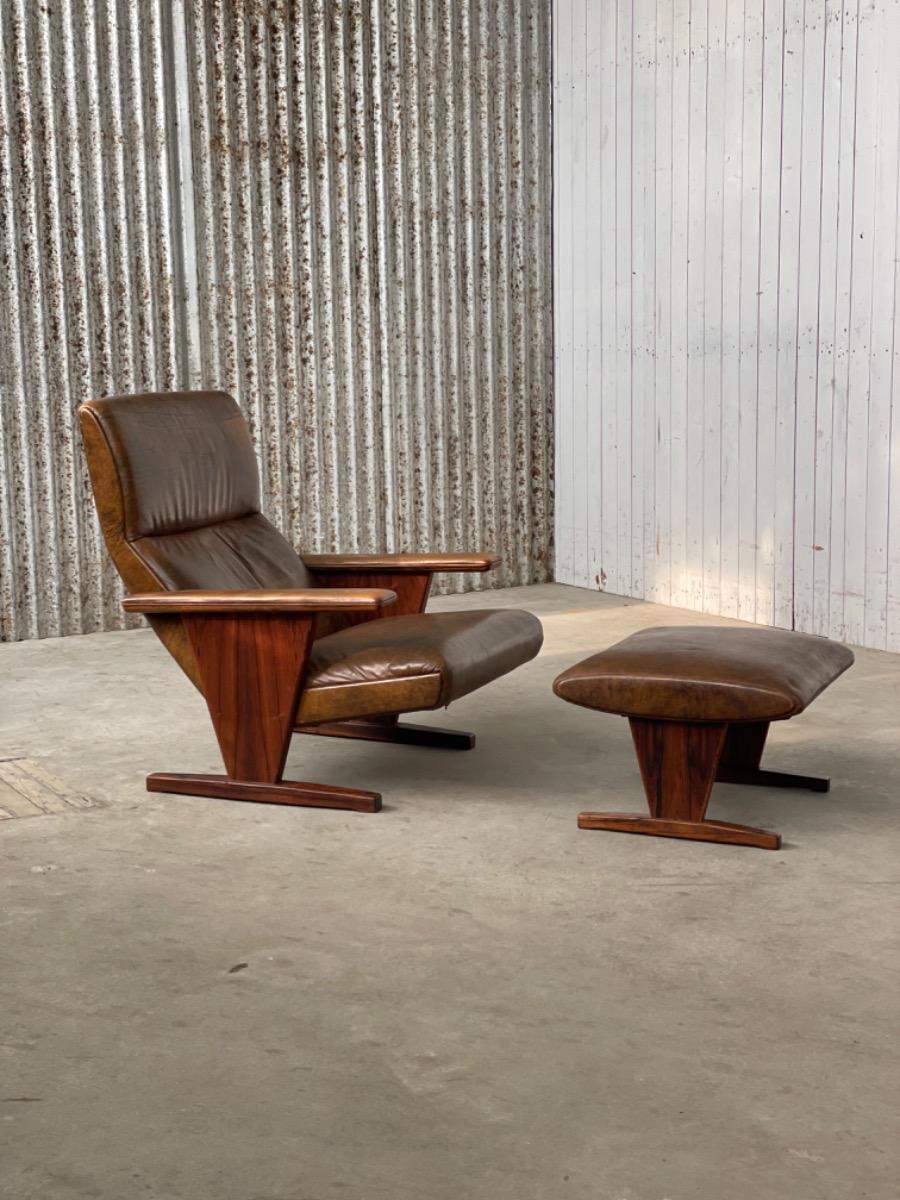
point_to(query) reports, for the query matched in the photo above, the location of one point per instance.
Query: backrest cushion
(177, 492)
(183, 459)
(245, 553)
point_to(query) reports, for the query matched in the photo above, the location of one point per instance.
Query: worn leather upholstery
(684, 673)
(421, 661)
(177, 491)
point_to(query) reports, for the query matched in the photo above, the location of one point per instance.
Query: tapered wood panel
(289, 792)
(678, 764)
(744, 745)
(251, 669)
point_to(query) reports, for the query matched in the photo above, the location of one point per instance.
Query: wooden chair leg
(679, 762)
(744, 745)
(412, 595)
(389, 729)
(251, 669)
(741, 756)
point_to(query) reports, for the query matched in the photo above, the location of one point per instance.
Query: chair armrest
(290, 600)
(399, 564)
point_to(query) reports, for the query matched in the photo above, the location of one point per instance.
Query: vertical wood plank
(624, 228)
(643, 306)
(883, 334)
(740, 243)
(582, 143)
(808, 316)
(865, 160)
(677, 299)
(594, 450)
(751, 212)
(661, 588)
(713, 293)
(608, 573)
(563, 349)
(767, 379)
(826, 359)
(696, 301)
(732, 190)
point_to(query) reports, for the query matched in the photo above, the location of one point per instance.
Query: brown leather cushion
(463, 650)
(183, 460)
(682, 673)
(248, 552)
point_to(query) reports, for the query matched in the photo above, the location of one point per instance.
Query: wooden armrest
(290, 600)
(398, 564)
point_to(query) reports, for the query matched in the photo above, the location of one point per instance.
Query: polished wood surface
(262, 600)
(176, 484)
(697, 831)
(744, 745)
(397, 563)
(388, 729)
(410, 589)
(741, 756)
(251, 667)
(305, 795)
(679, 763)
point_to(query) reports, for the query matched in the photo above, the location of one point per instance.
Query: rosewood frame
(409, 576)
(679, 762)
(252, 651)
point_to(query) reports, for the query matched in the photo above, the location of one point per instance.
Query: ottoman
(700, 701)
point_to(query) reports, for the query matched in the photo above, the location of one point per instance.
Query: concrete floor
(463, 997)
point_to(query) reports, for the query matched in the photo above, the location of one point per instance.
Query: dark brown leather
(176, 486)
(247, 552)
(298, 600)
(181, 465)
(685, 673)
(136, 448)
(400, 563)
(446, 655)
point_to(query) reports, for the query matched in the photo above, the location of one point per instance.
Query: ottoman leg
(741, 757)
(679, 761)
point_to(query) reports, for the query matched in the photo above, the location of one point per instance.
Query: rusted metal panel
(339, 210)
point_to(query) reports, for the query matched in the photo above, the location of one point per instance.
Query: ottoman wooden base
(699, 702)
(696, 831)
(680, 761)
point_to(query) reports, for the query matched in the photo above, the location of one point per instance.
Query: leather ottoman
(699, 702)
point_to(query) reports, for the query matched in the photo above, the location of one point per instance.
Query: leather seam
(783, 714)
(673, 680)
(365, 683)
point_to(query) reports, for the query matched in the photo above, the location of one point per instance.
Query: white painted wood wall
(727, 358)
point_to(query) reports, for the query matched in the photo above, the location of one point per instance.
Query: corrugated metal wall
(338, 211)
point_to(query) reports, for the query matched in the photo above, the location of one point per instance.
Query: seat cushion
(403, 664)
(685, 673)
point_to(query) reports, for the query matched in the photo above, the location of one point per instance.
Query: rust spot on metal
(369, 271)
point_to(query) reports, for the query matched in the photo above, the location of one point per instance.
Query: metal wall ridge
(339, 212)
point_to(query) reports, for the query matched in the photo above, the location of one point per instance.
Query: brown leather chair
(320, 643)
